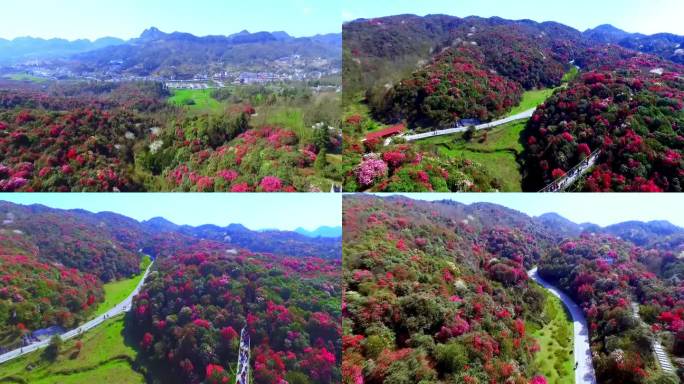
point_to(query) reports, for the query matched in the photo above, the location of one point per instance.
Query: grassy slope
(531, 99)
(555, 358)
(202, 98)
(498, 153)
(105, 358)
(117, 291)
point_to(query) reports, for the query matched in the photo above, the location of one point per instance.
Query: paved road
(519, 116)
(584, 374)
(120, 308)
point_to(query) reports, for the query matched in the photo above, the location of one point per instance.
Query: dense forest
(602, 95)
(56, 262)
(438, 292)
(627, 105)
(607, 276)
(127, 137)
(190, 314)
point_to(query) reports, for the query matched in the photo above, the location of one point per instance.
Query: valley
(268, 282)
(249, 112)
(443, 292)
(478, 72)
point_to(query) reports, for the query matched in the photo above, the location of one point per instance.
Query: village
(292, 68)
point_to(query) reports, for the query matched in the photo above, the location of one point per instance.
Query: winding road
(518, 116)
(584, 374)
(120, 308)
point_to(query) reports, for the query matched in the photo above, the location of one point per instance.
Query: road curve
(120, 308)
(518, 116)
(584, 374)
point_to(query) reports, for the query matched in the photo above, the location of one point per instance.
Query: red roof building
(387, 132)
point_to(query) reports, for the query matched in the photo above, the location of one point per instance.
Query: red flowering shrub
(270, 184)
(215, 374)
(69, 301)
(402, 168)
(632, 115)
(418, 304)
(286, 304)
(456, 85)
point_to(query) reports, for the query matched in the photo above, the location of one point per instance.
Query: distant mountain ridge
(176, 55)
(550, 226)
(32, 48)
(402, 43)
(323, 231)
(640, 233)
(666, 45)
(130, 235)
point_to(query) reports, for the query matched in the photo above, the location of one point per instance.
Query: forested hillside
(439, 292)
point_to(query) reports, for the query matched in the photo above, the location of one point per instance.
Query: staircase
(563, 183)
(661, 356)
(243, 358)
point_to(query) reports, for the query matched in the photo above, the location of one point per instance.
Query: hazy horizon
(126, 19)
(151, 26)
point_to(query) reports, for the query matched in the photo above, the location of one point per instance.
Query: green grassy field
(283, 116)
(25, 77)
(531, 99)
(555, 358)
(196, 99)
(117, 291)
(498, 153)
(104, 358)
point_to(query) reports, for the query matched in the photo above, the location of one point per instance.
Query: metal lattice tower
(243, 358)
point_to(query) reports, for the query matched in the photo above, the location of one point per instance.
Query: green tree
(469, 133)
(54, 348)
(451, 357)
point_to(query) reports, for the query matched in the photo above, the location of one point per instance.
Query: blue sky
(645, 16)
(72, 19)
(255, 211)
(598, 208)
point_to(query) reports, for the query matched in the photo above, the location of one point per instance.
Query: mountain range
(31, 48)
(554, 227)
(403, 42)
(173, 54)
(324, 231)
(128, 235)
